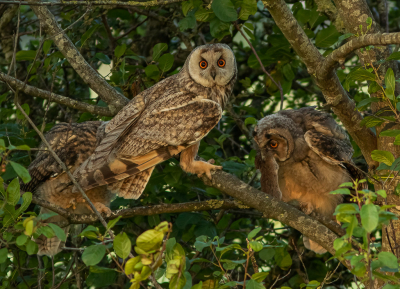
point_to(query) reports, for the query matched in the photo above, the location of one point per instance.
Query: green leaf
(21, 240)
(382, 193)
(165, 62)
(21, 172)
(204, 15)
(103, 58)
(327, 37)
(248, 7)
(390, 286)
(369, 217)
(27, 110)
(32, 247)
(93, 254)
(3, 255)
(130, 264)
(150, 240)
(120, 50)
(282, 258)
(259, 277)
(363, 103)
(176, 283)
(112, 222)
(25, 55)
(391, 133)
(218, 28)
(253, 233)
(373, 87)
(122, 245)
(158, 49)
(250, 120)
(394, 56)
(88, 34)
(256, 246)
(47, 46)
(253, 284)
(388, 260)
(288, 72)
(383, 157)
(390, 84)
(189, 22)
(360, 75)
(60, 233)
(340, 192)
(13, 192)
(267, 254)
(224, 10)
(152, 71)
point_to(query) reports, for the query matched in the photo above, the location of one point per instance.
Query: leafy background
(155, 49)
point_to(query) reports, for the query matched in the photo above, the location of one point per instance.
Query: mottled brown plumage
(164, 120)
(73, 143)
(119, 156)
(302, 157)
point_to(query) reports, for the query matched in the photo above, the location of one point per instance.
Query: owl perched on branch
(169, 118)
(119, 156)
(303, 156)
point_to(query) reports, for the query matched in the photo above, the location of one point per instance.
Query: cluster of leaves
(362, 220)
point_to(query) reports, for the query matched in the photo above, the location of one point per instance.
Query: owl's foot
(102, 209)
(199, 168)
(306, 208)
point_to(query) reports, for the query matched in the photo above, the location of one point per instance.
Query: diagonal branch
(68, 102)
(331, 87)
(141, 211)
(339, 55)
(107, 93)
(273, 208)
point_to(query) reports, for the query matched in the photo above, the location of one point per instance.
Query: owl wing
(159, 131)
(70, 142)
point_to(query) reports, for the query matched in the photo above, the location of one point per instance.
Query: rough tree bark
(354, 14)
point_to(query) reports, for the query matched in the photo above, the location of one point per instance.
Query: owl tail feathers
(313, 246)
(132, 187)
(50, 246)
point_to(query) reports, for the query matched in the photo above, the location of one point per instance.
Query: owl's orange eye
(273, 144)
(221, 62)
(203, 64)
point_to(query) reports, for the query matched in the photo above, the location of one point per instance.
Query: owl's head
(275, 135)
(211, 64)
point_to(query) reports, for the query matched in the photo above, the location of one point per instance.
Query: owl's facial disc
(278, 145)
(212, 65)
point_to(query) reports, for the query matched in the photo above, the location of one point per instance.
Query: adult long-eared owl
(169, 118)
(303, 156)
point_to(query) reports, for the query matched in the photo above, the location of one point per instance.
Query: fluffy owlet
(169, 118)
(303, 156)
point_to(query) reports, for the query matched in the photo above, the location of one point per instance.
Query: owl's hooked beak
(213, 72)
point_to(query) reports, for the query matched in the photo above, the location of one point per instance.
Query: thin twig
(278, 84)
(131, 29)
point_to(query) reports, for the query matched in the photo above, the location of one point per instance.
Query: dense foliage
(133, 48)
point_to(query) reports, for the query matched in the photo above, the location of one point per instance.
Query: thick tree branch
(142, 211)
(331, 87)
(107, 93)
(273, 208)
(68, 102)
(339, 55)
